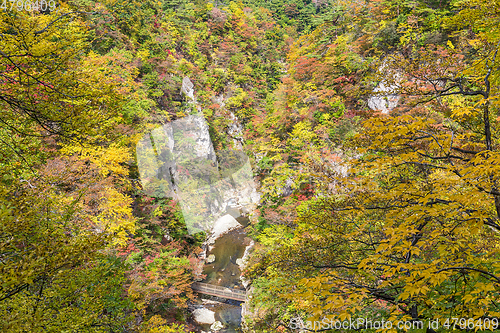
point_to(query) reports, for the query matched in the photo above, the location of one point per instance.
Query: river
(225, 272)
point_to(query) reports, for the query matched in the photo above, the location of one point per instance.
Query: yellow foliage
(110, 160)
(156, 324)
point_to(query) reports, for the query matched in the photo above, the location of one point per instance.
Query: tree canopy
(372, 128)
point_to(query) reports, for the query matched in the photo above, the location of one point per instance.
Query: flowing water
(225, 272)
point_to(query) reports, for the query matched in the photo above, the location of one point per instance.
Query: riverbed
(224, 271)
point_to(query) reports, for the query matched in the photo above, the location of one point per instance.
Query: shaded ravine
(224, 271)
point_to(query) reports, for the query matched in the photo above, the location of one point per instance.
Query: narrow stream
(225, 272)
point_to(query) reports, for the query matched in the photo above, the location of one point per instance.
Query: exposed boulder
(210, 259)
(204, 316)
(217, 326)
(223, 225)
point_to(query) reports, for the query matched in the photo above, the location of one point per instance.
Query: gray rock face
(287, 189)
(385, 97)
(178, 160)
(385, 102)
(187, 88)
(169, 148)
(235, 130)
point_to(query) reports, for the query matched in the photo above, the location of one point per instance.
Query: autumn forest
(370, 129)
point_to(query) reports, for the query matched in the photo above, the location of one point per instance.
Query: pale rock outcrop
(204, 316)
(385, 98)
(223, 225)
(383, 102)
